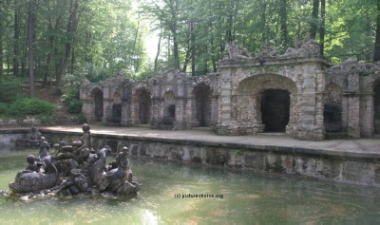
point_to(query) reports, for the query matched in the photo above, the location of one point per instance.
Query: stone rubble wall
(347, 167)
(236, 95)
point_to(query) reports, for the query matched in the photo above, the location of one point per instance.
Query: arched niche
(144, 105)
(332, 109)
(97, 94)
(170, 108)
(202, 96)
(116, 111)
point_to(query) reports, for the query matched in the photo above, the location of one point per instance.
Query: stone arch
(116, 110)
(332, 108)
(376, 106)
(144, 103)
(170, 108)
(267, 102)
(97, 94)
(259, 83)
(202, 105)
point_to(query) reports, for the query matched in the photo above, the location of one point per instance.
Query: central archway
(266, 103)
(275, 106)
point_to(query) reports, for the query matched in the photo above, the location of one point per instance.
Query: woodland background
(62, 41)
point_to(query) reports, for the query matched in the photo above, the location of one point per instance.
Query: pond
(175, 193)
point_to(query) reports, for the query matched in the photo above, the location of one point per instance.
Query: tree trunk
(16, 42)
(175, 50)
(30, 37)
(322, 29)
(376, 56)
(264, 21)
(71, 29)
(1, 48)
(188, 55)
(314, 19)
(283, 23)
(192, 46)
(158, 54)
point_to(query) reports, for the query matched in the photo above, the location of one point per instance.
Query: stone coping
(366, 149)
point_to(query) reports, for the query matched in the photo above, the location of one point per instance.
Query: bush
(23, 107)
(9, 91)
(3, 108)
(82, 118)
(75, 106)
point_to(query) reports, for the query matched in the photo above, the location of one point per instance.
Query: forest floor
(48, 93)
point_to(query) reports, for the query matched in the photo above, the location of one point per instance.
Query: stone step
(273, 134)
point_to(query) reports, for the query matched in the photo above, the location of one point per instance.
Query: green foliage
(3, 108)
(239, 152)
(47, 119)
(82, 118)
(9, 91)
(75, 106)
(23, 107)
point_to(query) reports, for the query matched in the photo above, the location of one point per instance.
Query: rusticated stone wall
(300, 91)
(339, 166)
(242, 85)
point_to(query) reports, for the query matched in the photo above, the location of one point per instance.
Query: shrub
(31, 106)
(75, 106)
(9, 91)
(3, 108)
(82, 118)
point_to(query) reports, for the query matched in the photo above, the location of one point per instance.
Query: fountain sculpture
(75, 169)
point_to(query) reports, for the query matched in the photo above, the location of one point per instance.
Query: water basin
(175, 193)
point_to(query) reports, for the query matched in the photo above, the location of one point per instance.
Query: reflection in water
(248, 198)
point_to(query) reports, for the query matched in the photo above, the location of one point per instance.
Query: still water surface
(172, 194)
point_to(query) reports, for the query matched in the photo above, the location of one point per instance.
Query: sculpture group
(75, 169)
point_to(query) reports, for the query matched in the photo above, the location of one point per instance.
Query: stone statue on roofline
(268, 52)
(234, 51)
(305, 48)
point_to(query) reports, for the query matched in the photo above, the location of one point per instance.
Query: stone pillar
(294, 114)
(352, 96)
(224, 115)
(134, 109)
(179, 113)
(366, 115)
(353, 112)
(311, 115)
(107, 109)
(258, 125)
(214, 110)
(88, 110)
(126, 114)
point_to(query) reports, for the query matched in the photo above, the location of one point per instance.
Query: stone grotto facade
(299, 93)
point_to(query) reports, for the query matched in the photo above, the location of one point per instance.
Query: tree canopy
(48, 39)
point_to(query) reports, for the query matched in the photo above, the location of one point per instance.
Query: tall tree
(322, 28)
(376, 56)
(17, 27)
(72, 25)
(31, 50)
(283, 13)
(314, 19)
(1, 38)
